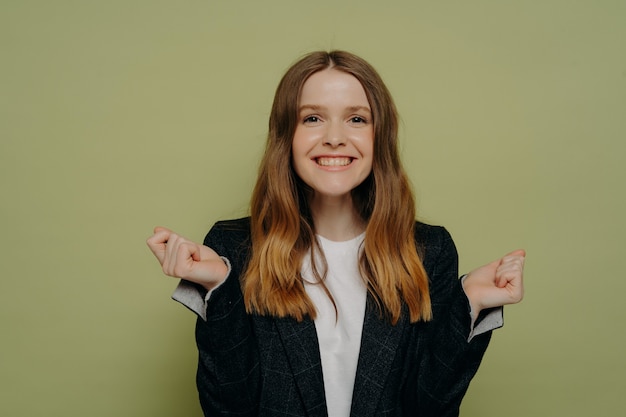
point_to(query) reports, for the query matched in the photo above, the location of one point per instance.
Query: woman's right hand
(182, 258)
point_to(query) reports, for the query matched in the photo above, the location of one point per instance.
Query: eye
(357, 119)
(311, 119)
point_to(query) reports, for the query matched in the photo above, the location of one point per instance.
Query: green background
(117, 116)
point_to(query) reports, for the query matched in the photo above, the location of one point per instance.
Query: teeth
(334, 162)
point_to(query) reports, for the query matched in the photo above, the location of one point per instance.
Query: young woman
(330, 299)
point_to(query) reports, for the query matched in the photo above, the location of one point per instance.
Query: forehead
(331, 85)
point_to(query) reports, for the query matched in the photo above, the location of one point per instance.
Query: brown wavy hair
(282, 228)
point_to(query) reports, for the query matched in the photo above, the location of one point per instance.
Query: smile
(334, 162)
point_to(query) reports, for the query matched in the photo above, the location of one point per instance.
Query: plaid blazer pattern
(252, 365)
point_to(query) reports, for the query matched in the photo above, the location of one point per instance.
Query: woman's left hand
(497, 283)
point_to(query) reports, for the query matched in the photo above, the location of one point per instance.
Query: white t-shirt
(339, 333)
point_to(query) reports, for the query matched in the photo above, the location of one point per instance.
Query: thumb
(487, 270)
(161, 229)
(517, 252)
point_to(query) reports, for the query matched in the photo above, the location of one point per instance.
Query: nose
(335, 135)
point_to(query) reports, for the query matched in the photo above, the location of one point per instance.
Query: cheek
(368, 145)
(298, 155)
(301, 144)
(297, 142)
(370, 154)
(296, 149)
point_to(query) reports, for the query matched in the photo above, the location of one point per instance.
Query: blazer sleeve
(449, 361)
(228, 376)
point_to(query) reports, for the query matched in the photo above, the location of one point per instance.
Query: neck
(336, 218)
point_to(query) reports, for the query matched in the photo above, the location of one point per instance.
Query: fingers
(161, 228)
(170, 249)
(517, 252)
(157, 242)
(178, 256)
(512, 262)
(510, 273)
(185, 259)
(497, 283)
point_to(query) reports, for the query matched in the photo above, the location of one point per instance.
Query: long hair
(282, 230)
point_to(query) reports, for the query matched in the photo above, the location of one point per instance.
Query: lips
(338, 161)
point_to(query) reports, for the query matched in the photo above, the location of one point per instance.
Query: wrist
(475, 306)
(223, 271)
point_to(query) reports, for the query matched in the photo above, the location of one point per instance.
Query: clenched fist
(182, 258)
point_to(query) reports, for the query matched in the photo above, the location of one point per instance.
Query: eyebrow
(316, 107)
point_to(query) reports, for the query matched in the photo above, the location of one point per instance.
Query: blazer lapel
(379, 343)
(299, 340)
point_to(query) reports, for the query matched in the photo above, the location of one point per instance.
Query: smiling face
(332, 149)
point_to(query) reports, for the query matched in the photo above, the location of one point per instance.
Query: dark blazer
(251, 365)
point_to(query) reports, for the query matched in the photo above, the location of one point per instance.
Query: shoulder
(241, 225)
(429, 237)
(434, 244)
(229, 234)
